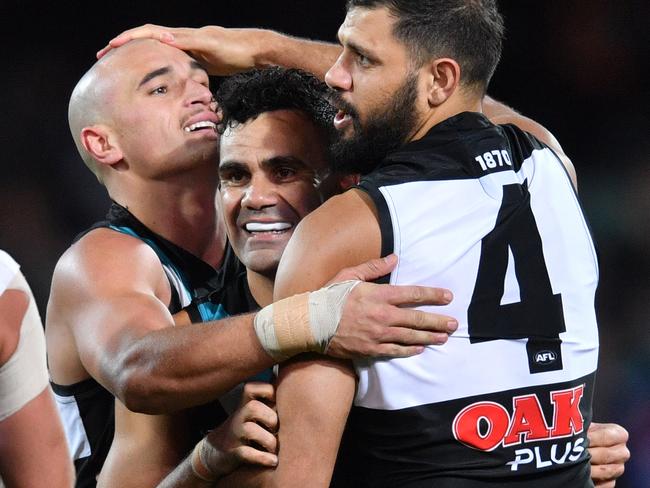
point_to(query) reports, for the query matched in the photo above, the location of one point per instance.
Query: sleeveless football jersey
(490, 213)
(87, 408)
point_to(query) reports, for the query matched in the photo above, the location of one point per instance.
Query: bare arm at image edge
(32, 443)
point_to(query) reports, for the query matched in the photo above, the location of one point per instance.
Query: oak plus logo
(488, 425)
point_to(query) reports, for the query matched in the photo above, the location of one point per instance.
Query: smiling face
(270, 169)
(160, 108)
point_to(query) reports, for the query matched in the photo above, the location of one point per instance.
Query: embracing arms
(108, 318)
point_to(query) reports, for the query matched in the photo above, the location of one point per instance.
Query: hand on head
(221, 51)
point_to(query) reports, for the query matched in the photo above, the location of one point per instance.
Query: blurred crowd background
(580, 68)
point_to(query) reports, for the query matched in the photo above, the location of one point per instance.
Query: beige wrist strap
(199, 468)
(302, 323)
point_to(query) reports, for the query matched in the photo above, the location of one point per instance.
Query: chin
(263, 265)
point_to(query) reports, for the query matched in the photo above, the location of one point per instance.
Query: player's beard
(386, 129)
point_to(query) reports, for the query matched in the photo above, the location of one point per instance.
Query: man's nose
(199, 93)
(260, 193)
(338, 76)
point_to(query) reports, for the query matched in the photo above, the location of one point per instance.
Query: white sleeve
(24, 375)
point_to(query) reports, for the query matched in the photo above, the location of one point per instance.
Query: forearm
(33, 446)
(292, 52)
(313, 398)
(175, 368)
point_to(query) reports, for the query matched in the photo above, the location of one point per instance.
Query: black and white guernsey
(490, 213)
(87, 408)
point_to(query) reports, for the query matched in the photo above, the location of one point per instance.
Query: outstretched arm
(225, 51)
(110, 294)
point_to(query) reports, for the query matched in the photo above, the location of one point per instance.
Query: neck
(261, 287)
(181, 210)
(460, 101)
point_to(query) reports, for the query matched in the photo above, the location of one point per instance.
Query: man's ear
(443, 78)
(349, 180)
(98, 141)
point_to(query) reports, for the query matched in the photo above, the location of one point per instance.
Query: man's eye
(363, 60)
(234, 178)
(285, 173)
(161, 90)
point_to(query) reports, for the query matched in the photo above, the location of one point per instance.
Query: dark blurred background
(578, 67)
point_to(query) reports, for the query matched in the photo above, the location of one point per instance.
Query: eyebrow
(153, 74)
(360, 50)
(165, 70)
(230, 166)
(279, 160)
(297, 163)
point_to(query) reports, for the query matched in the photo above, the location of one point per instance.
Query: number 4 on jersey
(538, 316)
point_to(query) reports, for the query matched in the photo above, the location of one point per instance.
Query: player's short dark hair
(244, 96)
(469, 31)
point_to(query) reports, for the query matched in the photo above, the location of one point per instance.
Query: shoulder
(342, 232)
(500, 113)
(104, 261)
(13, 305)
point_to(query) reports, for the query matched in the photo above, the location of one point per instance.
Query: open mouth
(342, 120)
(267, 227)
(203, 125)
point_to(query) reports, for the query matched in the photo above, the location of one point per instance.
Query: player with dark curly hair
(119, 345)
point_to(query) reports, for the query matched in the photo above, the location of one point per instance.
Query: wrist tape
(199, 467)
(302, 323)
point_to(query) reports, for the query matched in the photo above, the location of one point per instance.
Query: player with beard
(384, 130)
(144, 121)
(371, 69)
(487, 210)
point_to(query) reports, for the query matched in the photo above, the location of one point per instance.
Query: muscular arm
(108, 318)
(314, 394)
(109, 302)
(227, 51)
(145, 448)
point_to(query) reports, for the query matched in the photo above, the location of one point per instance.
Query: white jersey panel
(438, 228)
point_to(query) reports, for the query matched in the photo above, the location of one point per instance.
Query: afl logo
(545, 357)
